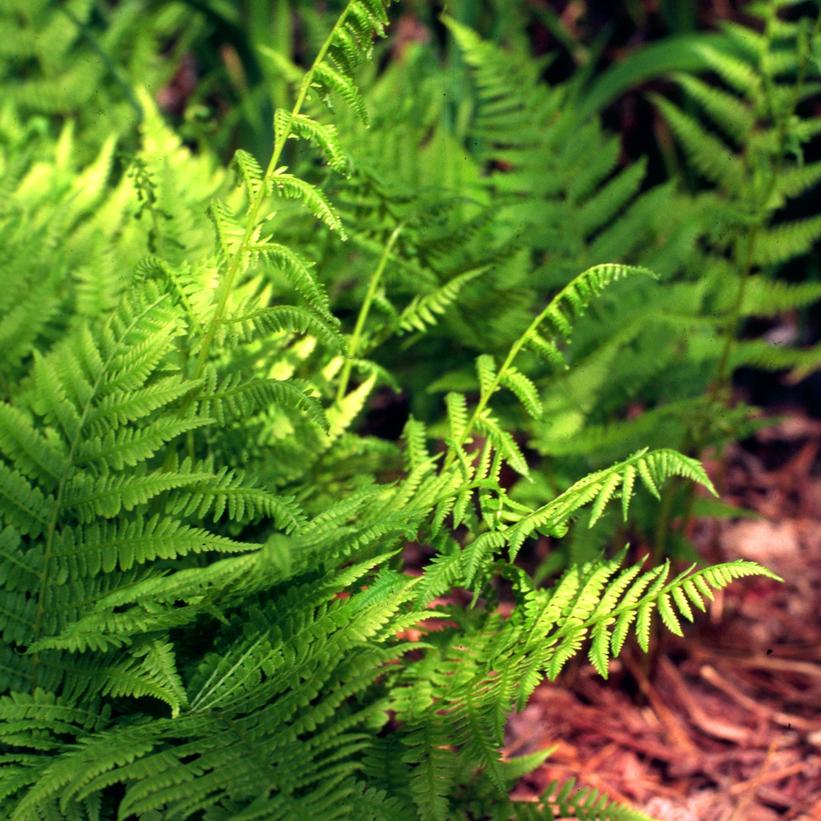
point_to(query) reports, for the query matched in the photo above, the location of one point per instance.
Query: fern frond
(331, 79)
(348, 45)
(486, 371)
(653, 468)
(457, 415)
(610, 199)
(299, 274)
(502, 441)
(574, 298)
(786, 241)
(123, 407)
(603, 604)
(724, 109)
(101, 547)
(235, 397)
(415, 438)
(230, 233)
(735, 71)
(423, 309)
(229, 492)
(27, 448)
(707, 153)
(150, 671)
(89, 497)
(432, 769)
(771, 357)
(250, 171)
(342, 414)
(322, 135)
(293, 188)
(797, 179)
(546, 349)
(182, 286)
(128, 447)
(560, 800)
(280, 319)
(768, 297)
(524, 390)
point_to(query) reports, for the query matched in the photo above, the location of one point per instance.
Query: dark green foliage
(717, 251)
(204, 603)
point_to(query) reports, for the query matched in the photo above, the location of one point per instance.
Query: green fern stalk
(362, 317)
(572, 299)
(234, 265)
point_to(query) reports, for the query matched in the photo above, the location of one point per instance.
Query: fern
(555, 320)
(599, 488)
(564, 800)
(204, 600)
(550, 169)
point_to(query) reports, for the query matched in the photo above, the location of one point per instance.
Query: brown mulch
(724, 725)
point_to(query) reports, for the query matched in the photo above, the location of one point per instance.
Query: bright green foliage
(204, 603)
(81, 58)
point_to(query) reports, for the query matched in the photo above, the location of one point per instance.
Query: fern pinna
(203, 600)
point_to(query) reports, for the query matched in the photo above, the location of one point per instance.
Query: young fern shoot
(555, 320)
(344, 49)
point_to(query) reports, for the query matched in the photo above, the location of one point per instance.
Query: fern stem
(734, 320)
(226, 285)
(695, 438)
(663, 521)
(515, 350)
(359, 327)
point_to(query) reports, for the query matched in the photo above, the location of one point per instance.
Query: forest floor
(725, 725)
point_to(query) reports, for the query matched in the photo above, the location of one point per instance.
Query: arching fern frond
(651, 468)
(422, 310)
(597, 603)
(556, 321)
(565, 800)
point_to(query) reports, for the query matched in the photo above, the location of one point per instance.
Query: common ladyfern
(203, 597)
